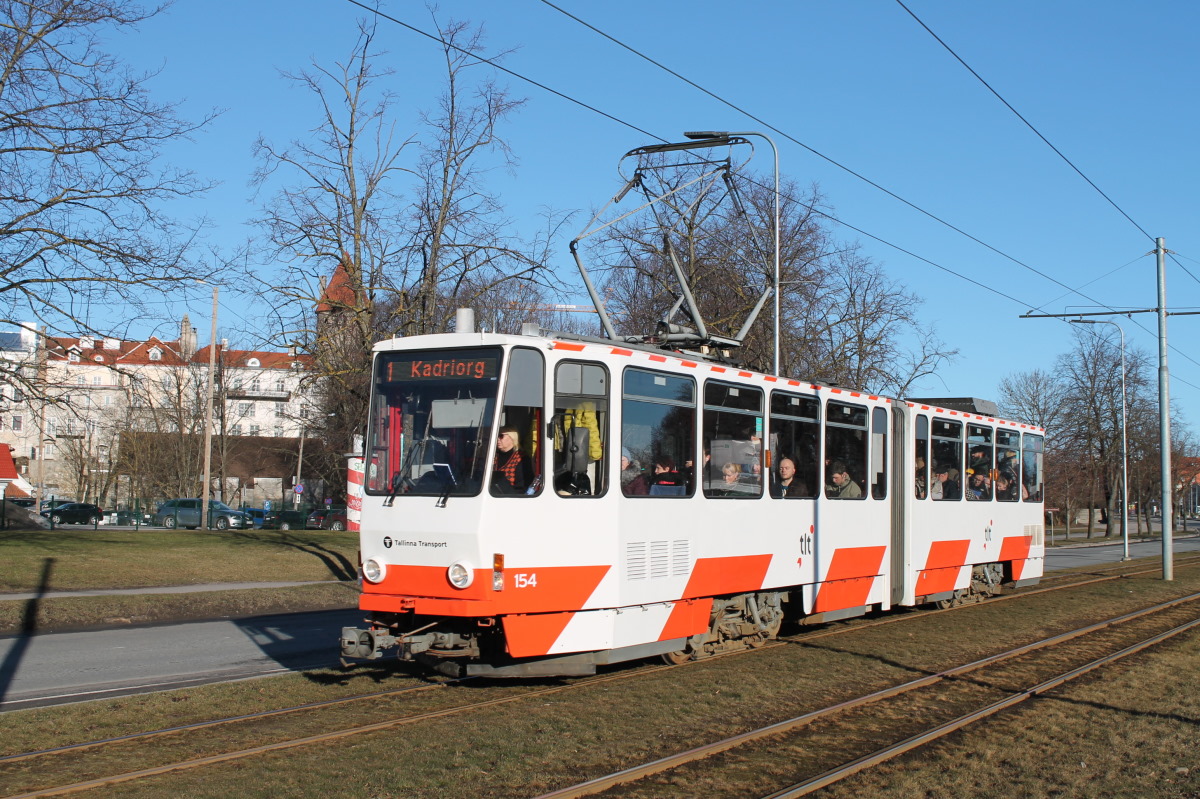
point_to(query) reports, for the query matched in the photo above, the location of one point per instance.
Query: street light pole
(1124, 439)
(722, 134)
(208, 416)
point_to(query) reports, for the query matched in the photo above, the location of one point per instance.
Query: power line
(1036, 132)
(817, 153)
(789, 137)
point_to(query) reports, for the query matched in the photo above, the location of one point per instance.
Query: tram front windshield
(431, 421)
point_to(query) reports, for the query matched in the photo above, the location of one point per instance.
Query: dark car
(186, 513)
(285, 520)
(321, 518)
(74, 513)
(24, 502)
(335, 519)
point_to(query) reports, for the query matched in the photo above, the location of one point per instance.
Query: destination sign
(482, 367)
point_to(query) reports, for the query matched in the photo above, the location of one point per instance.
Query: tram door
(853, 529)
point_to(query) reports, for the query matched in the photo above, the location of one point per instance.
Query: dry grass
(81, 559)
(82, 613)
(1132, 725)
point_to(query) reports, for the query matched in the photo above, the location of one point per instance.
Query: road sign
(267, 505)
(299, 489)
(328, 500)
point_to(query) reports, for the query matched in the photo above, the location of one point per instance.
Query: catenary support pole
(1164, 411)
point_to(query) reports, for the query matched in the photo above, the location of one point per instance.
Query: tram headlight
(460, 575)
(374, 570)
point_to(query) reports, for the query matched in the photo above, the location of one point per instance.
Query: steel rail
(840, 773)
(467, 707)
(201, 725)
(634, 773)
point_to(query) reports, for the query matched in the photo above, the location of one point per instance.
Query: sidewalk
(160, 589)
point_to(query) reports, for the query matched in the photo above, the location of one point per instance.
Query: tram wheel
(678, 657)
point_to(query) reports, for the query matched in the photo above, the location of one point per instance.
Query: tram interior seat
(657, 490)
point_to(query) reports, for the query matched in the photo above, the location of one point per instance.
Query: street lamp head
(706, 134)
(1083, 321)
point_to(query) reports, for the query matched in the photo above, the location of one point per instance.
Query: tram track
(950, 679)
(48, 755)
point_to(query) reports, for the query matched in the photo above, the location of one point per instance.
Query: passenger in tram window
(788, 484)
(945, 483)
(841, 486)
(665, 473)
(1006, 486)
(633, 482)
(919, 482)
(512, 472)
(979, 485)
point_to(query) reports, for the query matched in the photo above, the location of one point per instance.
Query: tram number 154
(525, 580)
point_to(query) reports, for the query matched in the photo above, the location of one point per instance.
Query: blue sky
(859, 81)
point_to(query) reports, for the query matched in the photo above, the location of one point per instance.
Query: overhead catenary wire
(784, 134)
(839, 165)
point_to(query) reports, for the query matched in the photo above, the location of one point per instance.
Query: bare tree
(82, 190)
(843, 319)
(412, 238)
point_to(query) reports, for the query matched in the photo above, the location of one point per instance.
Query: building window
(280, 410)
(245, 409)
(256, 385)
(236, 430)
(253, 362)
(278, 430)
(279, 386)
(79, 381)
(155, 354)
(254, 430)
(95, 380)
(17, 423)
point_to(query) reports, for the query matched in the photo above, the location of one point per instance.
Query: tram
(662, 504)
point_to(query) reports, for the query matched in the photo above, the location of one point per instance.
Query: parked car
(334, 520)
(127, 518)
(74, 513)
(285, 520)
(24, 502)
(186, 513)
(256, 516)
(320, 518)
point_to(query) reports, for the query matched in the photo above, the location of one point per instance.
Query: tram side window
(517, 468)
(921, 458)
(1008, 487)
(580, 429)
(658, 434)
(979, 472)
(845, 450)
(947, 460)
(1031, 468)
(879, 425)
(733, 424)
(795, 445)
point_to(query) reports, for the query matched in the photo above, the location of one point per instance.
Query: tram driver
(513, 472)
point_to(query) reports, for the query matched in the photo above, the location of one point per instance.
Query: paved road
(57, 668)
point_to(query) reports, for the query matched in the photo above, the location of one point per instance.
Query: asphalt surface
(59, 668)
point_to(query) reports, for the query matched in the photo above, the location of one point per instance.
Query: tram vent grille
(635, 560)
(1038, 532)
(656, 559)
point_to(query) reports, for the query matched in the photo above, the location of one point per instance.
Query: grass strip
(80, 559)
(92, 612)
(530, 747)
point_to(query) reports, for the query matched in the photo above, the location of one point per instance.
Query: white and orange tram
(541, 505)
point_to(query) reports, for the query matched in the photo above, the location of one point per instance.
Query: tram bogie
(546, 505)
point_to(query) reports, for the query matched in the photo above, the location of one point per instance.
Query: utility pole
(208, 417)
(1164, 411)
(1164, 399)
